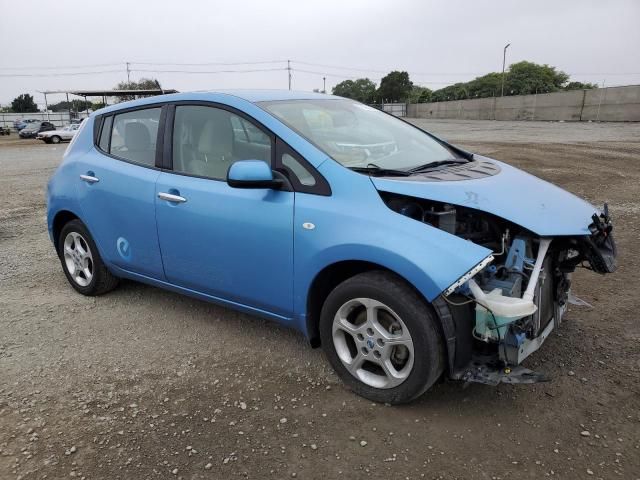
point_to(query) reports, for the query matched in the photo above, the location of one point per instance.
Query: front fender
(355, 224)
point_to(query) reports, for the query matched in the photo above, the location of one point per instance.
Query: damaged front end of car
(505, 307)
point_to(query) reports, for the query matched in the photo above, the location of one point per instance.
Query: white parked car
(57, 136)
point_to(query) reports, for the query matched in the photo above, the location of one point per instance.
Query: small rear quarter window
(105, 134)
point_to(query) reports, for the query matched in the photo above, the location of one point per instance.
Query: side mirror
(252, 174)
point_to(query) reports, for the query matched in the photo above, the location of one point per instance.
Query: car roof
(275, 95)
(253, 96)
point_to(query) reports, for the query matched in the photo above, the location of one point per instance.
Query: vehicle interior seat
(215, 147)
(137, 140)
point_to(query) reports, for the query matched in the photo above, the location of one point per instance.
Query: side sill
(119, 272)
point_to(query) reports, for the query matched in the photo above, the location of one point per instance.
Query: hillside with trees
(521, 78)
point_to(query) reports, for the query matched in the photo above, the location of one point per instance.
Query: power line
(368, 70)
(266, 62)
(207, 64)
(328, 74)
(209, 71)
(56, 74)
(359, 69)
(340, 68)
(101, 65)
(337, 75)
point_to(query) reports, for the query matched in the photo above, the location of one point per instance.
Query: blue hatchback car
(406, 258)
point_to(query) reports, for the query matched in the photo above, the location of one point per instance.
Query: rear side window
(105, 135)
(132, 135)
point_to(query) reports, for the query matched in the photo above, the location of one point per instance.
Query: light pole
(504, 58)
(324, 84)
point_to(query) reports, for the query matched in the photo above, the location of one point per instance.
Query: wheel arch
(334, 274)
(60, 219)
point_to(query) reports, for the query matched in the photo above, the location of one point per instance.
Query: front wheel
(81, 261)
(381, 338)
(55, 139)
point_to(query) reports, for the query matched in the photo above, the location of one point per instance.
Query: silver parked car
(57, 136)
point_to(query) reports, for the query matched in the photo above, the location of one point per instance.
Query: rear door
(230, 243)
(116, 185)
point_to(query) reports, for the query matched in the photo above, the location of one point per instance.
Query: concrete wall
(614, 104)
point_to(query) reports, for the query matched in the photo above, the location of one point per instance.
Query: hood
(506, 192)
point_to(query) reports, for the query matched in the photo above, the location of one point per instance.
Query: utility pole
(46, 106)
(324, 84)
(289, 70)
(69, 106)
(602, 91)
(504, 58)
(128, 72)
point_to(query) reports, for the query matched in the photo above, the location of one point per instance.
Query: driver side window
(207, 140)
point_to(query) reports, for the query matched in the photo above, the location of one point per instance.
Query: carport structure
(105, 94)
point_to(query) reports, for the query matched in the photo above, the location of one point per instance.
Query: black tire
(418, 317)
(55, 139)
(102, 280)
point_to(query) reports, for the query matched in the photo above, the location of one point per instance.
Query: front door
(234, 244)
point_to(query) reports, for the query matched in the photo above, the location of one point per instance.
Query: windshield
(359, 136)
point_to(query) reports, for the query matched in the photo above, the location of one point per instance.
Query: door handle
(89, 178)
(170, 197)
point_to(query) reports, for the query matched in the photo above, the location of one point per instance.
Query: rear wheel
(381, 338)
(81, 261)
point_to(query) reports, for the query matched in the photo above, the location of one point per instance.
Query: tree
(24, 104)
(457, 91)
(526, 77)
(579, 86)
(521, 78)
(395, 87)
(420, 94)
(362, 89)
(76, 106)
(142, 84)
(485, 86)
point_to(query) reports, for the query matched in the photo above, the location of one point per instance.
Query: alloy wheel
(78, 259)
(373, 343)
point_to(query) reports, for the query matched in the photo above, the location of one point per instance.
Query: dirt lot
(142, 383)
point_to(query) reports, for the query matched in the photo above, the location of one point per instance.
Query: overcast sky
(437, 42)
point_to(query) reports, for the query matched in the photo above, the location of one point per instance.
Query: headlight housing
(470, 274)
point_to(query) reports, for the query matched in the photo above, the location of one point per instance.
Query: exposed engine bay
(505, 308)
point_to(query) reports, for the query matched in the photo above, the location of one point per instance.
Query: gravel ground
(142, 383)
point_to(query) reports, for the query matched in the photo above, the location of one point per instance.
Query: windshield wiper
(373, 169)
(419, 168)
